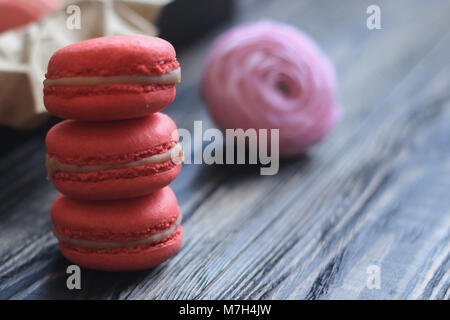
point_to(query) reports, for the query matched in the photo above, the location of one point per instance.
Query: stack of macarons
(115, 157)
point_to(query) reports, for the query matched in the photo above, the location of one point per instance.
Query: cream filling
(90, 244)
(175, 154)
(171, 77)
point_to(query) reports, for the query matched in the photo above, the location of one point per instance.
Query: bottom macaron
(119, 235)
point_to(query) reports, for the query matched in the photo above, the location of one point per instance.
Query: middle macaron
(113, 160)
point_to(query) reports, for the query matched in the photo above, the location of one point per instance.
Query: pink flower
(269, 75)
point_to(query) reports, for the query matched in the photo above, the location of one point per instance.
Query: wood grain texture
(376, 192)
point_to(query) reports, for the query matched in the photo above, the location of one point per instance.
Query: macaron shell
(126, 261)
(117, 188)
(113, 55)
(80, 142)
(90, 105)
(116, 220)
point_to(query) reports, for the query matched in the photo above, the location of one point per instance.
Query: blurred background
(373, 193)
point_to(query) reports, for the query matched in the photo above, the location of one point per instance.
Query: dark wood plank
(374, 193)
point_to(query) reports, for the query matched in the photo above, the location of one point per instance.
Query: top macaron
(111, 78)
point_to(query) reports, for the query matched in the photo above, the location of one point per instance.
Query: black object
(183, 22)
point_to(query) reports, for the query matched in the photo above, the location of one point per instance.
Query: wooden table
(375, 196)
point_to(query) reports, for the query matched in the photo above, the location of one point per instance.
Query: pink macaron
(270, 75)
(17, 13)
(113, 160)
(111, 78)
(118, 235)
